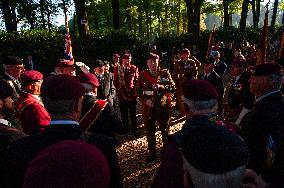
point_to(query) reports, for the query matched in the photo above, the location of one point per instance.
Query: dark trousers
(125, 107)
(151, 116)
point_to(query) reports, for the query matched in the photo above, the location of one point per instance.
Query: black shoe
(151, 158)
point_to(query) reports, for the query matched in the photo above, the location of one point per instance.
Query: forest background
(100, 28)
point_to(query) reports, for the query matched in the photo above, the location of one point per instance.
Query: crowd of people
(60, 131)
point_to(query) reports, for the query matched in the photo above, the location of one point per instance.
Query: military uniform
(160, 113)
(33, 116)
(184, 70)
(125, 79)
(106, 90)
(14, 83)
(239, 96)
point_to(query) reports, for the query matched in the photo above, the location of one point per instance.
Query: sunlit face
(236, 71)
(36, 87)
(15, 70)
(99, 70)
(106, 68)
(126, 61)
(70, 70)
(152, 64)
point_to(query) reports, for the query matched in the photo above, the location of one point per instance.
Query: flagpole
(211, 37)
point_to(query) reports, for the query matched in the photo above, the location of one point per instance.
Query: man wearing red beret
(240, 99)
(200, 100)
(33, 116)
(125, 79)
(154, 87)
(262, 128)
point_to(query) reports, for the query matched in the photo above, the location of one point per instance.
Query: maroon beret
(64, 63)
(266, 69)
(153, 57)
(12, 60)
(5, 89)
(68, 164)
(116, 55)
(199, 90)
(126, 56)
(89, 78)
(239, 62)
(185, 51)
(31, 76)
(62, 86)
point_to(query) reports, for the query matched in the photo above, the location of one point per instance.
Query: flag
(263, 41)
(68, 48)
(281, 49)
(210, 41)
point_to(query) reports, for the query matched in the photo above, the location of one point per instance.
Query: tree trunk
(178, 17)
(42, 4)
(254, 14)
(147, 7)
(283, 18)
(244, 14)
(226, 13)
(9, 16)
(196, 23)
(81, 15)
(140, 19)
(257, 11)
(189, 6)
(115, 13)
(128, 16)
(274, 13)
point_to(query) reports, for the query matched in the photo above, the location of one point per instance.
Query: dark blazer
(106, 90)
(30, 66)
(217, 82)
(265, 122)
(24, 150)
(16, 87)
(220, 68)
(239, 93)
(107, 122)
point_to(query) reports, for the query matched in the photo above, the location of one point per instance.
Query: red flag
(263, 41)
(281, 49)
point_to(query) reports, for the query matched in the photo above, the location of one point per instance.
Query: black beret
(5, 89)
(266, 69)
(12, 60)
(214, 150)
(98, 63)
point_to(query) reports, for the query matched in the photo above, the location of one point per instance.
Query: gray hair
(88, 87)
(200, 179)
(58, 106)
(275, 80)
(200, 106)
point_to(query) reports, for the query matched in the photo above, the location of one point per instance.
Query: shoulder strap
(90, 117)
(149, 77)
(24, 104)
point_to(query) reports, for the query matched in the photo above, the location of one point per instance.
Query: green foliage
(47, 47)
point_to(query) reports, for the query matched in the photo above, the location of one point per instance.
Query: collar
(13, 78)
(266, 95)
(4, 122)
(64, 122)
(90, 94)
(35, 96)
(207, 75)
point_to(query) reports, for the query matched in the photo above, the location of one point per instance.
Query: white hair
(200, 179)
(201, 106)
